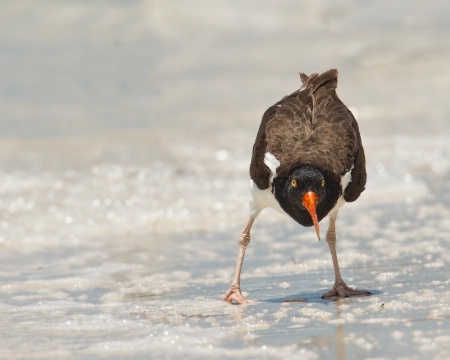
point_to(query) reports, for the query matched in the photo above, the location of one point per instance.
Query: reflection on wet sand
(340, 333)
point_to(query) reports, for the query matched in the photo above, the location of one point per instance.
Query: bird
(307, 162)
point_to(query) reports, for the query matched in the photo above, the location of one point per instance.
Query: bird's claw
(234, 295)
(342, 290)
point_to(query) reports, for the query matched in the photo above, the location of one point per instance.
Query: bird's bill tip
(310, 201)
(317, 231)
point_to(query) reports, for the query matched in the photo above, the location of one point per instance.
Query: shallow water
(126, 137)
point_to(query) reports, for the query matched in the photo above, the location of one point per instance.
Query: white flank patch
(262, 199)
(272, 163)
(346, 179)
(341, 201)
(265, 198)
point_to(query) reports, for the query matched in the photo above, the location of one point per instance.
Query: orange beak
(310, 200)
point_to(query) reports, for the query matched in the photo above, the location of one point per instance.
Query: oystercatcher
(308, 161)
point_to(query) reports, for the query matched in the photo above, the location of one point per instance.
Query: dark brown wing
(359, 176)
(310, 127)
(259, 172)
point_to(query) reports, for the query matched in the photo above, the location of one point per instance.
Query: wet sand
(126, 133)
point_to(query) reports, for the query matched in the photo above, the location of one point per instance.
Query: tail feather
(314, 81)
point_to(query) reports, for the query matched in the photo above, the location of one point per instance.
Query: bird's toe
(330, 294)
(341, 290)
(234, 296)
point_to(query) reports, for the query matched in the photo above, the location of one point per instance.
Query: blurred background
(126, 130)
(84, 83)
(73, 68)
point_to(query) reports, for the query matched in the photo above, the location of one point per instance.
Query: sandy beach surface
(126, 130)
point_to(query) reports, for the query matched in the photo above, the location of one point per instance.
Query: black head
(301, 194)
(303, 180)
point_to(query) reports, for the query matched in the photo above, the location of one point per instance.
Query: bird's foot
(234, 296)
(340, 289)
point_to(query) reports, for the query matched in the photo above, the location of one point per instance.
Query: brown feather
(259, 172)
(311, 127)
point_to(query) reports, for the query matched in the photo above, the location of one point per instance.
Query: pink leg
(340, 289)
(234, 292)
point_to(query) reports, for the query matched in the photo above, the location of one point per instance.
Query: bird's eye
(294, 183)
(323, 182)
